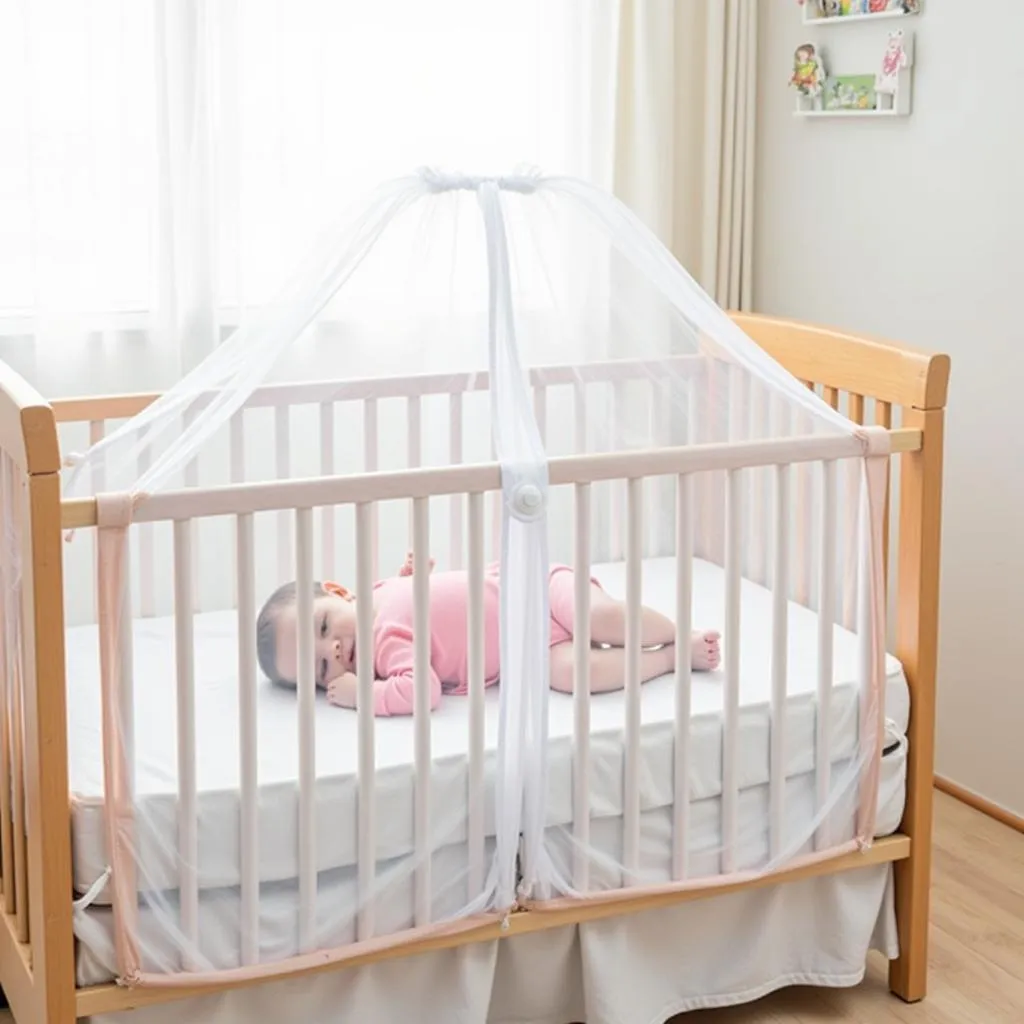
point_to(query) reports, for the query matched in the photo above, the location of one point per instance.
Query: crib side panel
(35, 857)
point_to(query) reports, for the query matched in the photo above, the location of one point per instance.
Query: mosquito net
(489, 564)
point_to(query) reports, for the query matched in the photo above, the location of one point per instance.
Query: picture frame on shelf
(825, 88)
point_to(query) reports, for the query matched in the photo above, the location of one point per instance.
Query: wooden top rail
(232, 499)
(76, 410)
(899, 374)
(26, 425)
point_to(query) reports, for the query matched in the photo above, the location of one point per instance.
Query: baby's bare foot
(705, 651)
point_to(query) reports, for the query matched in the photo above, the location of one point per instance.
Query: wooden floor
(977, 943)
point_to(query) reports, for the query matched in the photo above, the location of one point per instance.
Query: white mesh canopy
(637, 644)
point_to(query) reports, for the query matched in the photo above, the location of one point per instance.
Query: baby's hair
(266, 630)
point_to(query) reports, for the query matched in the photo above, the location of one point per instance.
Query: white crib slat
(617, 489)
(147, 566)
(414, 441)
(236, 455)
(188, 825)
(475, 625)
(371, 463)
(247, 746)
(581, 692)
(415, 425)
(455, 539)
(634, 563)
(307, 731)
(97, 429)
(731, 666)
(866, 649)
(759, 492)
(779, 665)
(684, 672)
(328, 513)
(236, 446)
(739, 408)
(367, 835)
(192, 480)
(579, 394)
(496, 499)
(826, 626)
(421, 702)
(659, 488)
(283, 471)
(540, 410)
(699, 531)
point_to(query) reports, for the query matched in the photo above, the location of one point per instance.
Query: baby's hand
(343, 691)
(406, 568)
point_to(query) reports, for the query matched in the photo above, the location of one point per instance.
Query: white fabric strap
(525, 618)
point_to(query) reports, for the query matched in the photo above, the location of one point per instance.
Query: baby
(334, 624)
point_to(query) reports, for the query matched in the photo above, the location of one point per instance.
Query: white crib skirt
(639, 969)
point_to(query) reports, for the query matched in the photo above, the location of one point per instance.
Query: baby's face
(334, 639)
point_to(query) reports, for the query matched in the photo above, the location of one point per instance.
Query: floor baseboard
(979, 803)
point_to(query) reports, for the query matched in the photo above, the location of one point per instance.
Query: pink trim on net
(113, 517)
(719, 881)
(320, 958)
(876, 465)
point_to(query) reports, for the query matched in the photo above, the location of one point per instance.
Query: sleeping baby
(334, 625)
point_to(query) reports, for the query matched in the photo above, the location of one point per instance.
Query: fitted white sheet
(219, 913)
(336, 748)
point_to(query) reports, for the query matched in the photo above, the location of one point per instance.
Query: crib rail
(296, 501)
(80, 513)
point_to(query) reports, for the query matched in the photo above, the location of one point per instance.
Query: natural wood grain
(917, 628)
(867, 366)
(46, 772)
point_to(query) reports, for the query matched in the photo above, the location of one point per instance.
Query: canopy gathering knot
(449, 181)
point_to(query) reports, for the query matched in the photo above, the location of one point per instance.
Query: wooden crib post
(916, 647)
(52, 942)
(46, 763)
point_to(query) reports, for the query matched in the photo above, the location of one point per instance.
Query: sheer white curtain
(680, 111)
(164, 162)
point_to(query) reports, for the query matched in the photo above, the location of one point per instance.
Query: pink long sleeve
(393, 691)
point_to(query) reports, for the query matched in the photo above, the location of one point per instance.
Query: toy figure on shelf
(808, 74)
(893, 61)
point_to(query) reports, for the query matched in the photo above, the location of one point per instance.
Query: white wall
(914, 229)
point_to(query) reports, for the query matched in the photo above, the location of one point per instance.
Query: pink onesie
(449, 649)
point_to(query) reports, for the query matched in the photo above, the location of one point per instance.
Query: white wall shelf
(895, 104)
(846, 19)
(848, 113)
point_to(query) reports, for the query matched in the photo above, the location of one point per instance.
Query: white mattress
(219, 912)
(336, 748)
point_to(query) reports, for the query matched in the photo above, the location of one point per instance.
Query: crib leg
(916, 647)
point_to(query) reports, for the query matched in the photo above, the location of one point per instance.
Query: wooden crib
(906, 390)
